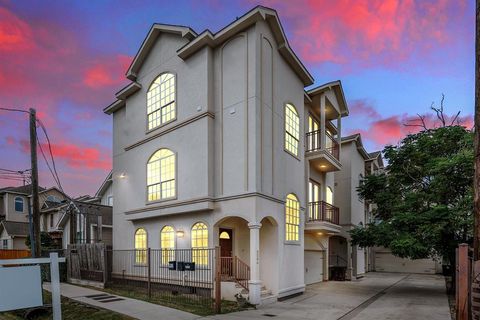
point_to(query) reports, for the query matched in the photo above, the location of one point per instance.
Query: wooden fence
(86, 263)
(14, 254)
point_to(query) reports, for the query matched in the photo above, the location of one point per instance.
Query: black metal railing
(314, 143)
(323, 211)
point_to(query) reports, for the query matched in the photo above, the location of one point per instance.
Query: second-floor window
(18, 204)
(292, 129)
(329, 196)
(161, 175)
(161, 101)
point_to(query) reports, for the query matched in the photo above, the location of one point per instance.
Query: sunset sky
(68, 58)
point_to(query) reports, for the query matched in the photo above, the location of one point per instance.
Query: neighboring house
(14, 208)
(89, 213)
(216, 143)
(356, 164)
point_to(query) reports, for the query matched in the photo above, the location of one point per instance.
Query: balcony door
(313, 199)
(314, 141)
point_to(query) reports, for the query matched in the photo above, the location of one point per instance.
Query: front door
(225, 242)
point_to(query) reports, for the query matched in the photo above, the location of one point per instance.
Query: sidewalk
(130, 307)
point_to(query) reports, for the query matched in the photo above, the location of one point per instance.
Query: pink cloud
(369, 32)
(390, 130)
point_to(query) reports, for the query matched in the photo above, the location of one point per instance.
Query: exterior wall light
(122, 175)
(180, 234)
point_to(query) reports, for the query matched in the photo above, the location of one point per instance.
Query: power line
(54, 173)
(14, 110)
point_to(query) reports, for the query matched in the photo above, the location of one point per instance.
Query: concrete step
(268, 299)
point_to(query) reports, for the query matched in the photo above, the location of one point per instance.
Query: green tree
(46, 241)
(424, 199)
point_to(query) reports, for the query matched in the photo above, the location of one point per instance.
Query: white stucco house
(216, 142)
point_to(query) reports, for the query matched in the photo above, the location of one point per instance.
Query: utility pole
(35, 242)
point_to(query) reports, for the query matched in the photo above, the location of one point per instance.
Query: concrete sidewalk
(130, 307)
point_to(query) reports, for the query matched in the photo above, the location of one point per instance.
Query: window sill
(292, 243)
(296, 157)
(161, 200)
(148, 131)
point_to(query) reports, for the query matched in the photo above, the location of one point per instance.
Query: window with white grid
(200, 243)
(161, 175)
(292, 129)
(140, 246)
(167, 243)
(292, 218)
(161, 101)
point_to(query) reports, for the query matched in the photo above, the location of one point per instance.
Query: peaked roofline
(208, 38)
(357, 138)
(149, 41)
(104, 184)
(338, 89)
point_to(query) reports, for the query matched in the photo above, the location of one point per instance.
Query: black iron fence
(176, 276)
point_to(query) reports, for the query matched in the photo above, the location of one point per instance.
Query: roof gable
(149, 41)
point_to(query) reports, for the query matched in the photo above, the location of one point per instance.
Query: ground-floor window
(200, 244)
(167, 243)
(141, 246)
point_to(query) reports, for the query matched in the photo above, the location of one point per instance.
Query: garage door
(386, 262)
(313, 266)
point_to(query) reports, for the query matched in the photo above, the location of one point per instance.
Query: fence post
(55, 283)
(105, 265)
(462, 282)
(218, 284)
(149, 273)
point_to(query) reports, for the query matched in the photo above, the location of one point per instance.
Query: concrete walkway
(378, 296)
(134, 308)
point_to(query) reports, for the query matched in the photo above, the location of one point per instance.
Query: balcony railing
(314, 143)
(322, 211)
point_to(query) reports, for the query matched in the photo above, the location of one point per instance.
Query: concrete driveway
(376, 296)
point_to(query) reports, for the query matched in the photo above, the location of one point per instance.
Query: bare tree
(440, 113)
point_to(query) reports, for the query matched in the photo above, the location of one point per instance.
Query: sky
(66, 59)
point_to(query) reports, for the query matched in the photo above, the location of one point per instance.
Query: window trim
(296, 156)
(135, 263)
(174, 244)
(147, 130)
(175, 196)
(207, 247)
(293, 242)
(15, 204)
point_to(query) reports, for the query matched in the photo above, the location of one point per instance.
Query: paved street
(377, 296)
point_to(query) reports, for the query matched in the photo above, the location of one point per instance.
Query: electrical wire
(14, 110)
(54, 173)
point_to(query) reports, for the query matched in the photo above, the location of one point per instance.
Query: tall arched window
(292, 218)
(161, 175)
(200, 243)
(167, 243)
(292, 129)
(140, 246)
(161, 100)
(18, 204)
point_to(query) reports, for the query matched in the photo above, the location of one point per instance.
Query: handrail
(337, 257)
(323, 211)
(314, 143)
(234, 269)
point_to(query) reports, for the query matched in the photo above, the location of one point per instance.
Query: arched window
(161, 175)
(292, 218)
(161, 100)
(140, 246)
(200, 243)
(292, 129)
(167, 243)
(329, 196)
(18, 204)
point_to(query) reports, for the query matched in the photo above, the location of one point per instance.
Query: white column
(339, 135)
(349, 274)
(322, 122)
(254, 284)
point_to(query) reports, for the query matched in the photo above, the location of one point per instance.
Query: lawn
(71, 310)
(196, 305)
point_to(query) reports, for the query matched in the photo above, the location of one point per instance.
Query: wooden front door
(226, 242)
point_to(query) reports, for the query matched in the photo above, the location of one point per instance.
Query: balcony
(323, 216)
(323, 156)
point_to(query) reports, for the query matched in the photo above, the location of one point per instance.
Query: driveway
(376, 296)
